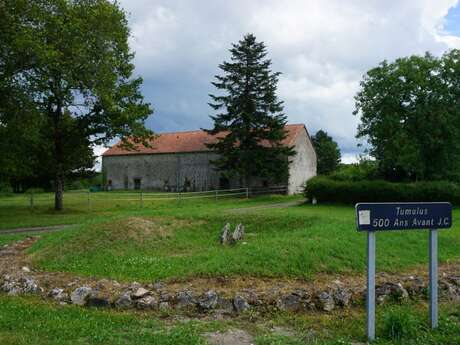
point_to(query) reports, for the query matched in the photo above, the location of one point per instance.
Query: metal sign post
(370, 297)
(373, 217)
(433, 244)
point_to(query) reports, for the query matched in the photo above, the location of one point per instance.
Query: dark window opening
(137, 183)
(224, 183)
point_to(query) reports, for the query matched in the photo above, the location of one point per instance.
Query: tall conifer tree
(250, 120)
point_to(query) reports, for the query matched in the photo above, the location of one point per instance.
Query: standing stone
(238, 234)
(80, 295)
(225, 235)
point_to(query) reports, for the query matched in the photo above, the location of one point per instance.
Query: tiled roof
(189, 141)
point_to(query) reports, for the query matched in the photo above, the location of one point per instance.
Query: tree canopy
(66, 74)
(410, 116)
(327, 153)
(251, 116)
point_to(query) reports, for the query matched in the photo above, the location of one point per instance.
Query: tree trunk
(59, 160)
(59, 192)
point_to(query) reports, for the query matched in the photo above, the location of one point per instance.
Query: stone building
(181, 161)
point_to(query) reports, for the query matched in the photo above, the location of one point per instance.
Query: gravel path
(35, 229)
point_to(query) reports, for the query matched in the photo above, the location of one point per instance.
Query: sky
(322, 49)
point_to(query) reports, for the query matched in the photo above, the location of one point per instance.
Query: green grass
(298, 241)
(29, 320)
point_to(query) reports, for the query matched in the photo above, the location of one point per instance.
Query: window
(137, 183)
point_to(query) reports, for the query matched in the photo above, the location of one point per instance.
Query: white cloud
(322, 47)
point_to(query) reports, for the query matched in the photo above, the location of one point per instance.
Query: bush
(350, 192)
(364, 170)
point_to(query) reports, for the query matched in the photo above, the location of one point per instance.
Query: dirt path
(35, 229)
(268, 206)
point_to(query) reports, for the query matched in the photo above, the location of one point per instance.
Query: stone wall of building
(161, 171)
(193, 171)
(303, 164)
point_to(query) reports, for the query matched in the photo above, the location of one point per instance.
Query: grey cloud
(322, 48)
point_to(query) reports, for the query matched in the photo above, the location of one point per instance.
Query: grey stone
(238, 234)
(326, 301)
(415, 286)
(139, 293)
(58, 294)
(147, 302)
(240, 304)
(208, 300)
(225, 237)
(80, 295)
(124, 301)
(388, 291)
(342, 297)
(30, 285)
(291, 302)
(185, 299)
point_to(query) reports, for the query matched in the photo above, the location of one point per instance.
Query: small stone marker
(224, 236)
(238, 234)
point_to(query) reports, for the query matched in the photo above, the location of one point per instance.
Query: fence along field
(86, 200)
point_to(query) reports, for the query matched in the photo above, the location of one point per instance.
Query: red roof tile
(189, 141)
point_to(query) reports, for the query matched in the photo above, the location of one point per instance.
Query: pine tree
(250, 120)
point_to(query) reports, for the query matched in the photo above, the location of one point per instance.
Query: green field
(170, 239)
(114, 237)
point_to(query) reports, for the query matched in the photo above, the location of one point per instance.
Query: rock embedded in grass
(58, 294)
(124, 301)
(139, 293)
(208, 300)
(325, 301)
(240, 304)
(80, 295)
(185, 299)
(147, 302)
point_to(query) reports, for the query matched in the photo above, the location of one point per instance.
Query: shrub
(364, 170)
(350, 192)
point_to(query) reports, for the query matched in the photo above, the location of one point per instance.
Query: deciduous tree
(67, 64)
(410, 116)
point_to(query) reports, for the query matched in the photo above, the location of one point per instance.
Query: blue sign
(403, 216)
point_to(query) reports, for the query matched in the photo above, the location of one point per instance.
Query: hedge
(350, 192)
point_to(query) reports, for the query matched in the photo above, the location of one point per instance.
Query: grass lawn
(171, 239)
(28, 320)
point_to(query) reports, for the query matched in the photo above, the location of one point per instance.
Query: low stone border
(156, 296)
(67, 289)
